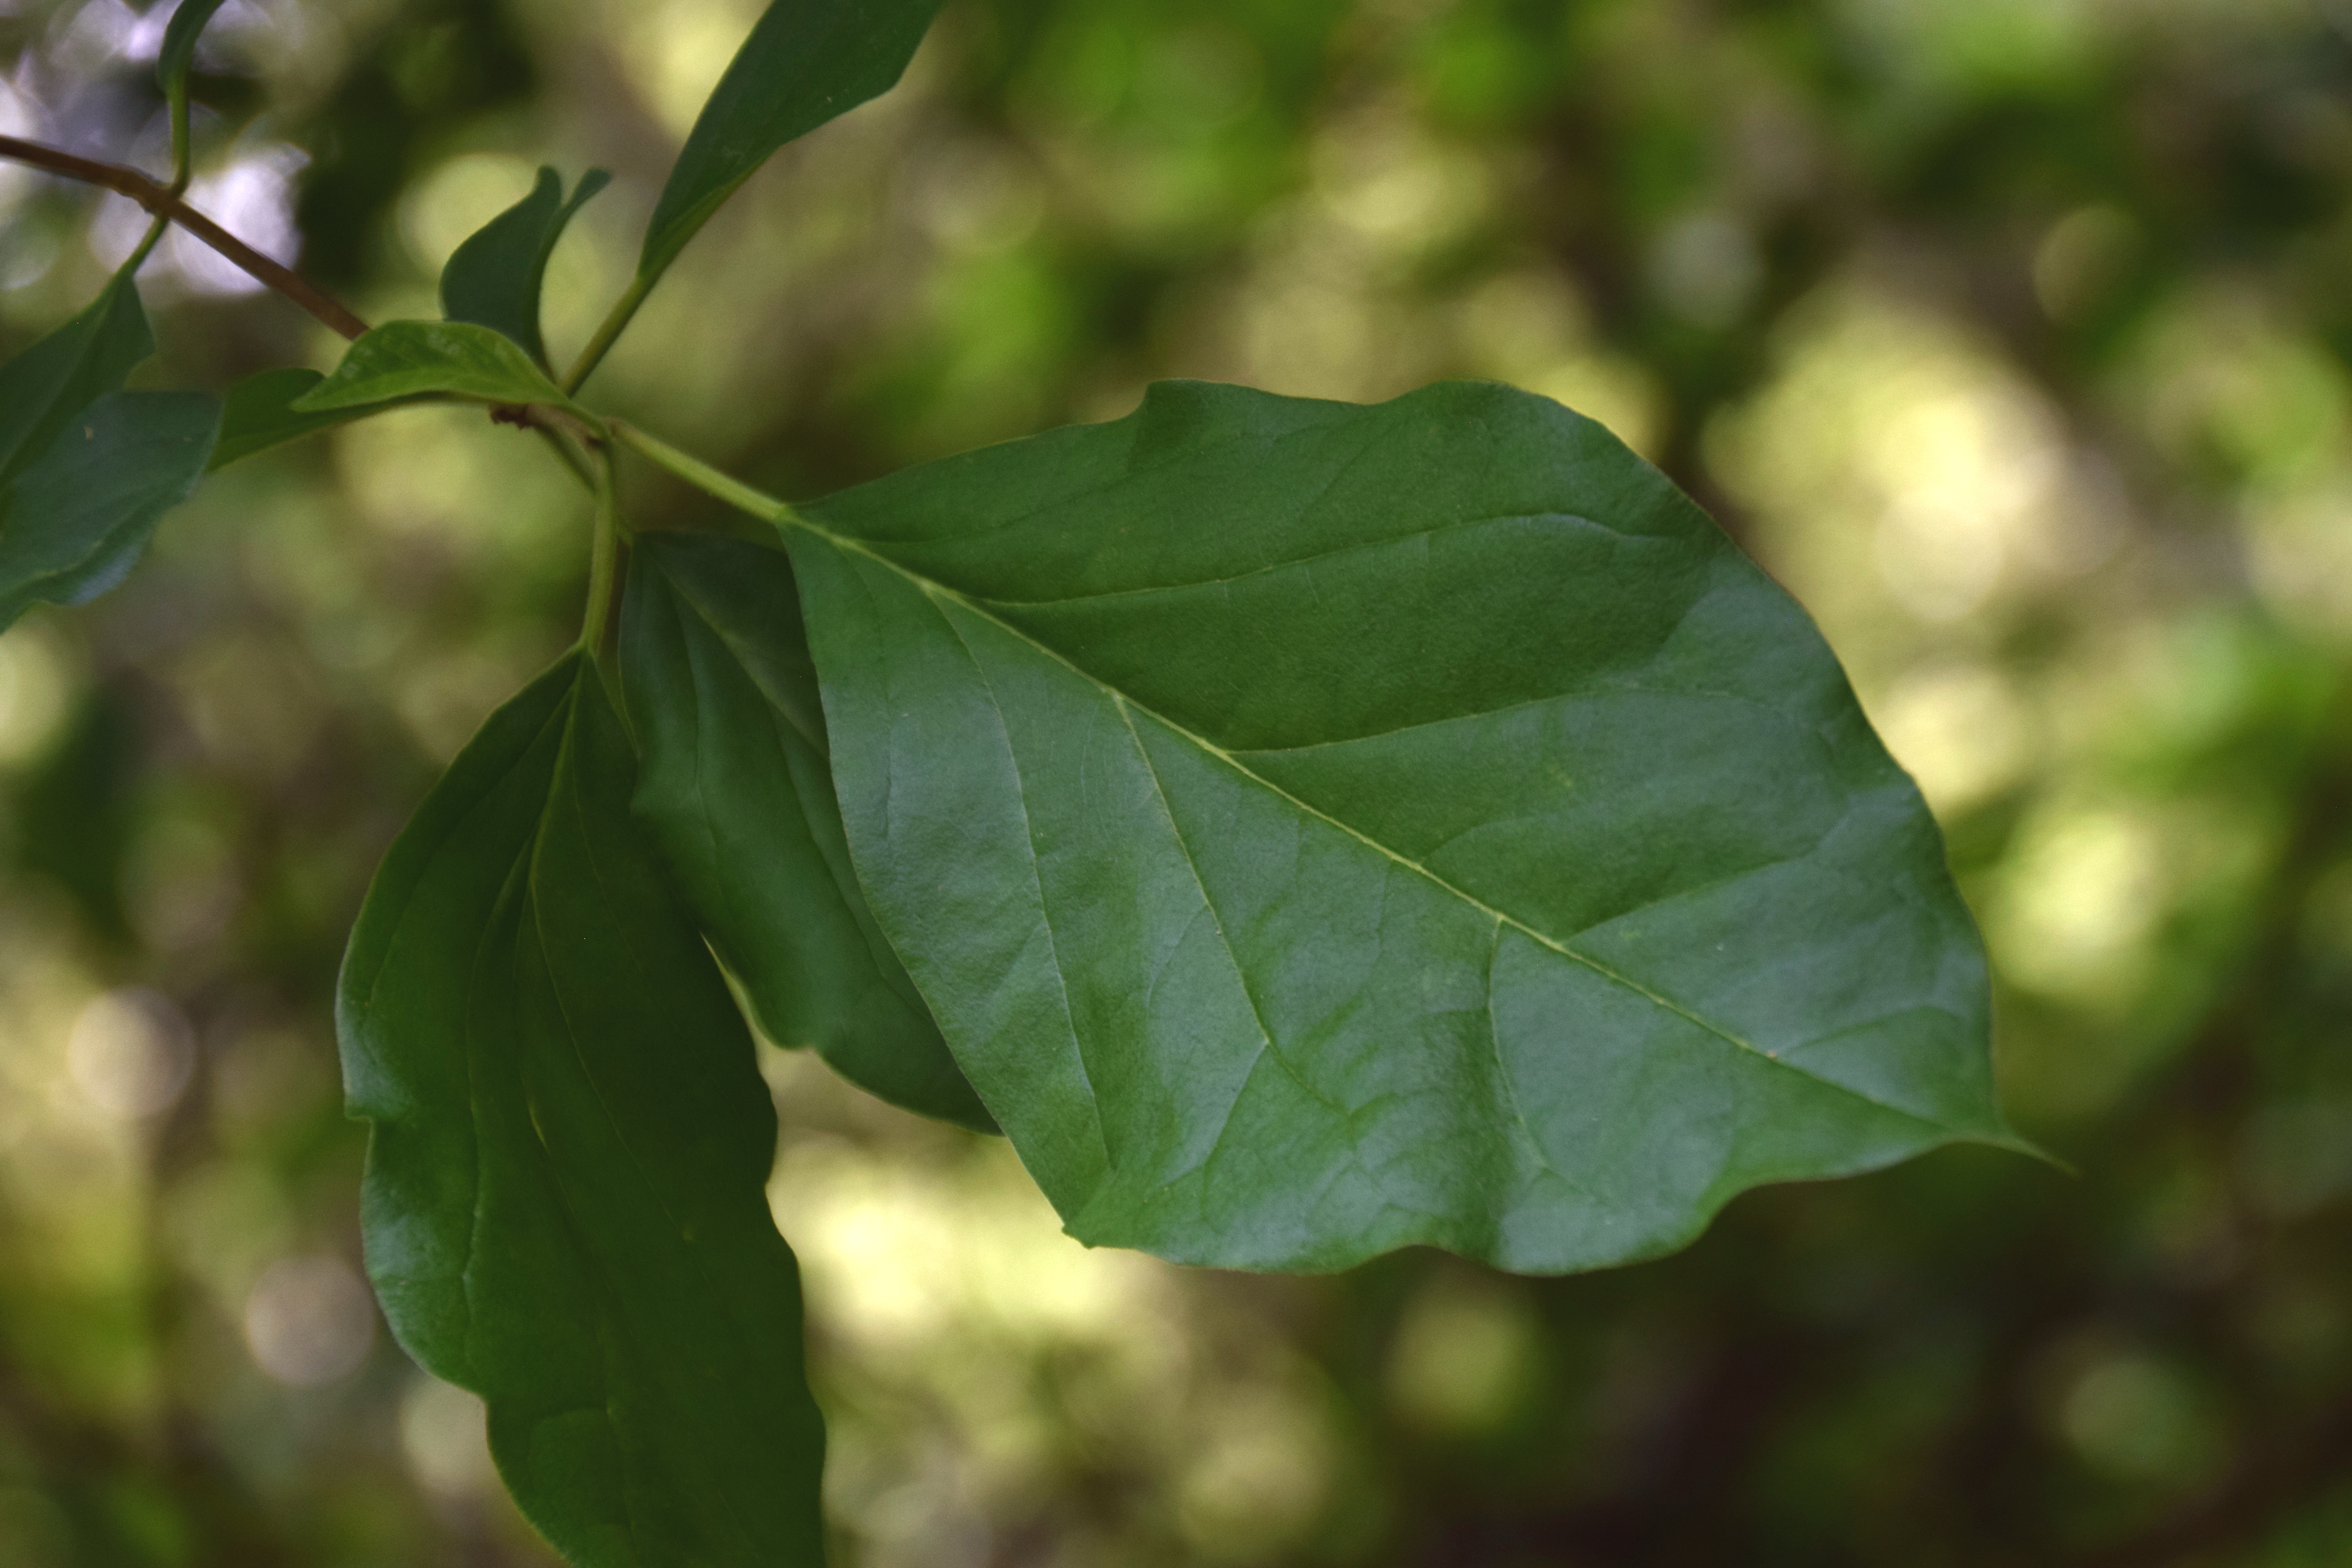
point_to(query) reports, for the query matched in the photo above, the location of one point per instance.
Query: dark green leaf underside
(736, 790)
(563, 1204)
(1321, 828)
(494, 279)
(75, 522)
(86, 468)
(806, 62)
(43, 388)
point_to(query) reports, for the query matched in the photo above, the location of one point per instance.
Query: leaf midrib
(786, 516)
(1293, 562)
(565, 783)
(736, 647)
(1037, 881)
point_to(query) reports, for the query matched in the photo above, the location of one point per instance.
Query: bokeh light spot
(131, 1053)
(1466, 1357)
(35, 683)
(457, 198)
(1257, 1477)
(445, 1437)
(1706, 270)
(2135, 1419)
(309, 1321)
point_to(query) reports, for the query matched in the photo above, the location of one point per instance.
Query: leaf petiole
(702, 476)
(138, 258)
(604, 562)
(567, 454)
(615, 323)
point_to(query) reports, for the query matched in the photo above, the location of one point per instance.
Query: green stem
(705, 477)
(604, 562)
(616, 321)
(572, 459)
(183, 165)
(146, 246)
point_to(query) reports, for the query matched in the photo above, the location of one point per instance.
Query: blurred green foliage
(2013, 335)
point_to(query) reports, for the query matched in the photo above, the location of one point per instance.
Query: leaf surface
(86, 468)
(258, 413)
(737, 791)
(563, 1204)
(494, 279)
(456, 358)
(806, 62)
(75, 522)
(1321, 829)
(45, 387)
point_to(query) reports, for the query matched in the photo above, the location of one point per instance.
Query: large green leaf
(736, 790)
(44, 388)
(258, 413)
(563, 1204)
(1321, 829)
(75, 522)
(408, 359)
(494, 279)
(806, 62)
(86, 468)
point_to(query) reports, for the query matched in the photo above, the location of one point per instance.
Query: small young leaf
(74, 521)
(172, 62)
(806, 62)
(258, 413)
(177, 55)
(45, 388)
(735, 790)
(457, 359)
(493, 279)
(1319, 829)
(565, 1203)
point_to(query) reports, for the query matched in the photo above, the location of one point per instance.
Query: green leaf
(493, 279)
(736, 790)
(173, 63)
(259, 413)
(1321, 829)
(563, 1204)
(456, 358)
(87, 470)
(45, 388)
(75, 522)
(806, 62)
(178, 54)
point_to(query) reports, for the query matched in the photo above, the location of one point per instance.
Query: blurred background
(2013, 336)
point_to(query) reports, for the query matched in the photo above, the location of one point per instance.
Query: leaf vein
(937, 590)
(1267, 1047)
(1036, 873)
(1298, 563)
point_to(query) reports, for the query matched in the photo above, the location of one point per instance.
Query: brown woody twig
(160, 199)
